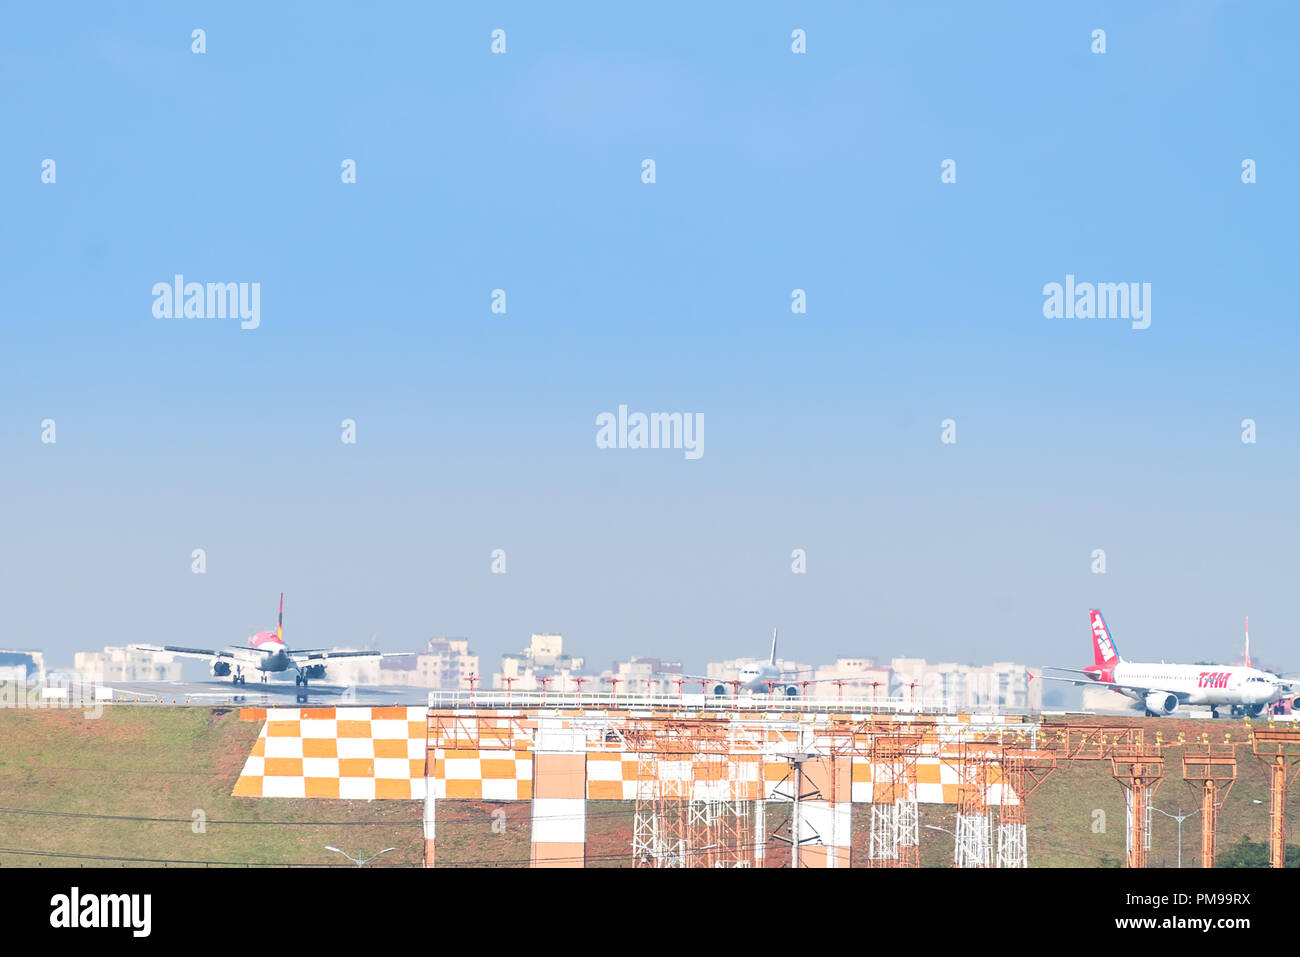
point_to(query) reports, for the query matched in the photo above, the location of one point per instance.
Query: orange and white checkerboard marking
(350, 753)
(379, 753)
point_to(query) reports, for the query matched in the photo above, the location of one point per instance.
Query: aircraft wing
(784, 675)
(321, 655)
(206, 654)
(812, 681)
(1182, 696)
(677, 674)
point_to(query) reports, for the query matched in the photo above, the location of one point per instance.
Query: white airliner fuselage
(1163, 687)
(1229, 685)
(756, 677)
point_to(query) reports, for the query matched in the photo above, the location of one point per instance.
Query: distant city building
(125, 664)
(859, 678)
(446, 664)
(543, 659)
(1002, 685)
(641, 676)
(18, 665)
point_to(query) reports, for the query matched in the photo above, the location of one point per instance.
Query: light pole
(360, 862)
(1180, 817)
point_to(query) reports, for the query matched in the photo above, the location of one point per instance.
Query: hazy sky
(774, 171)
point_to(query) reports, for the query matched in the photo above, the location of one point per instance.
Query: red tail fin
(1104, 651)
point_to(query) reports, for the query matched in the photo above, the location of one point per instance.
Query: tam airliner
(1162, 687)
(266, 652)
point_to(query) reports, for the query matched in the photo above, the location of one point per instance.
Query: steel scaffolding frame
(976, 764)
(1280, 750)
(895, 834)
(1139, 769)
(701, 780)
(1023, 770)
(689, 811)
(1211, 769)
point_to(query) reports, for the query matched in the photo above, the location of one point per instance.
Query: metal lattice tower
(646, 843)
(1140, 770)
(1211, 769)
(1023, 770)
(883, 844)
(974, 844)
(975, 763)
(895, 840)
(907, 828)
(689, 784)
(1281, 751)
(1013, 846)
(1133, 827)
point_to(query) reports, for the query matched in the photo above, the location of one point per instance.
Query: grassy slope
(168, 762)
(1061, 812)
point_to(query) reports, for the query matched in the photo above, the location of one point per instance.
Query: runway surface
(255, 693)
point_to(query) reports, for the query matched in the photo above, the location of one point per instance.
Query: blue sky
(775, 171)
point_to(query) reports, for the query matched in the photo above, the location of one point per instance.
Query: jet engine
(221, 668)
(314, 672)
(791, 691)
(718, 690)
(1161, 702)
(1295, 703)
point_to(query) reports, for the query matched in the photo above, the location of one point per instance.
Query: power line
(164, 860)
(770, 843)
(190, 820)
(613, 812)
(118, 770)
